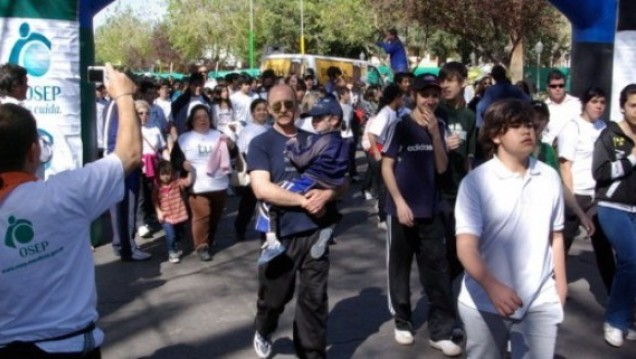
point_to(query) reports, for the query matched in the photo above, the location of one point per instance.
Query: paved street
(193, 309)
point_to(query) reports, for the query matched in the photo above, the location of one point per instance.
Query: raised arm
(128, 143)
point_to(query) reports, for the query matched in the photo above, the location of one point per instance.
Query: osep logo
(21, 231)
(32, 51)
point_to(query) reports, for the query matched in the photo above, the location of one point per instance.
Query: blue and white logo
(32, 51)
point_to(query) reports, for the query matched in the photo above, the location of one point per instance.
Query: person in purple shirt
(393, 46)
(414, 155)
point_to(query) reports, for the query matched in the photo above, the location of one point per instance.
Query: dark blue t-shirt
(266, 153)
(412, 148)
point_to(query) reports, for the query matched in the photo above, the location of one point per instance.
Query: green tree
(125, 39)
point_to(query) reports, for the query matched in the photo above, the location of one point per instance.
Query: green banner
(40, 9)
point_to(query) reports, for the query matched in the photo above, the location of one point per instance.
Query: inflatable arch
(603, 46)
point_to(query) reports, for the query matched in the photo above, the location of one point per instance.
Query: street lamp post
(251, 34)
(302, 28)
(538, 48)
(473, 58)
(362, 56)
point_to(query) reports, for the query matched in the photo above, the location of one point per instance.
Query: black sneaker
(204, 254)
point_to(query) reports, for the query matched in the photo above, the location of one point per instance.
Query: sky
(153, 9)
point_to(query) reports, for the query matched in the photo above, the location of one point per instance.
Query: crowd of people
(494, 187)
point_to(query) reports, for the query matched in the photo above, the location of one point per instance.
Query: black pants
(369, 182)
(31, 351)
(277, 281)
(246, 208)
(353, 146)
(447, 213)
(376, 170)
(602, 249)
(146, 209)
(425, 241)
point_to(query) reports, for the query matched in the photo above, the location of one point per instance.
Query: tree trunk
(516, 63)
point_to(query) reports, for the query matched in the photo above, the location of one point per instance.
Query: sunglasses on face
(553, 86)
(143, 113)
(278, 106)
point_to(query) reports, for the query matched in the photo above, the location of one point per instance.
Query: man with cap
(300, 219)
(413, 156)
(322, 162)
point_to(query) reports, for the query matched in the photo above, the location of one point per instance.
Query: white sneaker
(382, 225)
(404, 337)
(613, 336)
(631, 334)
(262, 346)
(174, 257)
(447, 346)
(144, 231)
(368, 196)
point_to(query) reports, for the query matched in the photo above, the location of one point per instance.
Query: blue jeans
(620, 228)
(173, 234)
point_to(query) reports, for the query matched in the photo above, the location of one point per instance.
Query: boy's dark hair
(333, 72)
(269, 73)
(164, 167)
(341, 91)
(625, 93)
(453, 69)
(163, 83)
(193, 111)
(402, 75)
(255, 103)
(146, 85)
(501, 116)
(540, 108)
(300, 86)
(369, 93)
(590, 93)
(498, 73)
(18, 132)
(11, 75)
(196, 77)
(244, 79)
(393, 31)
(389, 94)
(555, 74)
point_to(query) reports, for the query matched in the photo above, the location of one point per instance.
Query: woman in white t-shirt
(206, 156)
(575, 150)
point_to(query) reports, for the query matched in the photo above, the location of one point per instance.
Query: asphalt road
(193, 309)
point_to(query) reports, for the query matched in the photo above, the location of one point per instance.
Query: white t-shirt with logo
(576, 144)
(512, 215)
(47, 274)
(197, 148)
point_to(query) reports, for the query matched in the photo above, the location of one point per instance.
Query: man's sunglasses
(553, 86)
(278, 106)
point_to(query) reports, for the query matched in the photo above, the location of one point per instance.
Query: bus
(296, 64)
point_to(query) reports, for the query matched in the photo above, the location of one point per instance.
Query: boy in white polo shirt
(509, 217)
